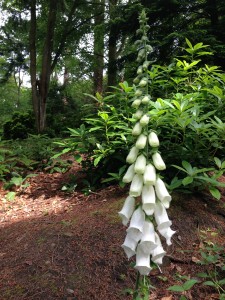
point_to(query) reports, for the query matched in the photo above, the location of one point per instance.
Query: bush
(20, 125)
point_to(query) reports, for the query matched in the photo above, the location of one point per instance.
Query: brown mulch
(57, 245)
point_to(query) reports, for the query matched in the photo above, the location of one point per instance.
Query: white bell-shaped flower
(137, 129)
(136, 185)
(129, 175)
(142, 262)
(153, 139)
(162, 193)
(140, 164)
(144, 120)
(158, 253)
(149, 174)
(161, 217)
(141, 141)
(145, 99)
(132, 156)
(129, 246)
(158, 162)
(148, 199)
(137, 221)
(127, 210)
(167, 234)
(148, 243)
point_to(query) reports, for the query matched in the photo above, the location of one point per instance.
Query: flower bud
(139, 70)
(136, 103)
(141, 141)
(138, 114)
(144, 120)
(149, 175)
(143, 82)
(153, 139)
(138, 93)
(140, 164)
(158, 162)
(137, 129)
(145, 99)
(129, 174)
(132, 156)
(136, 185)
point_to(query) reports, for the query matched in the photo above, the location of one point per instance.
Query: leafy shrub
(20, 125)
(187, 112)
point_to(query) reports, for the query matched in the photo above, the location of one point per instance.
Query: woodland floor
(58, 245)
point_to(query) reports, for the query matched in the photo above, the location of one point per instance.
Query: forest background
(71, 64)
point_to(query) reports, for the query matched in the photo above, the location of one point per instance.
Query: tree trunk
(112, 54)
(99, 46)
(40, 86)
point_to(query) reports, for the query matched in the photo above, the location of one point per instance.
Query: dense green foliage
(187, 109)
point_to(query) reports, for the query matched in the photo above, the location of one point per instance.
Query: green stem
(136, 286)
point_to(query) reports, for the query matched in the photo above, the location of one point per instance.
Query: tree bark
(99, 46)
(112, 54)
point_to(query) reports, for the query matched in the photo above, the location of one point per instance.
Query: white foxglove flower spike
(158, 161)
(132, 156)
(129, 175)
(148, 242)
(129, 246)
(127, 210)
(136, 185)
(161, 217)
(162, 193)
(136, 224)
(142, 262)
(148, 199)
(149, 175)
(158, 253)
(140, 164)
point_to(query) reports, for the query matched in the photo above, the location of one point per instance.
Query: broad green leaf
(187, 180)
(222, 281)
(203, 275)
(209, 283)
(188, 43)
(176, 288)
(215, 192)
(189, 284)
(10, 196)
(188, 167)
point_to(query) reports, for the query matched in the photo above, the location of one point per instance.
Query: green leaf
(189, 284)
(209, 283)
(188, 167)
(97, 160)
(10, 196)
(187, 180)
(222, 281)
(188, 43)
(215, 192)
(203, 275)
(176, 288)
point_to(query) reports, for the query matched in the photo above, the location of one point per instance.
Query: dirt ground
(58, 245)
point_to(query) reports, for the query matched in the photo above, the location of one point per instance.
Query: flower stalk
(145, 207)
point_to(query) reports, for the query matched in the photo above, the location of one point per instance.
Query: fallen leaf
(167, 298)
